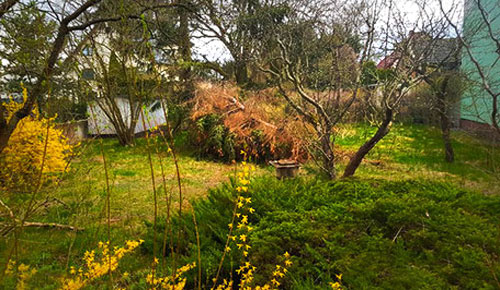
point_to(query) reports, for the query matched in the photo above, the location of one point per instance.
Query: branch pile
(258, 120)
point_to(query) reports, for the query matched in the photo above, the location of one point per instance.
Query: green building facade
(477, 103)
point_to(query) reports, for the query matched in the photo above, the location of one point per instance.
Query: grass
(83, 193)
(130, 179)
(417, 152)
(408, 152)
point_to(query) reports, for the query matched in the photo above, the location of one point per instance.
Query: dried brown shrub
(249, 114)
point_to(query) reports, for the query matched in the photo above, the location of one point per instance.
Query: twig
(52, 225)
(397, 234)
(11, 214)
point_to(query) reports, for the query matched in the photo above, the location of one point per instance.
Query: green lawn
(83, 192)
(417, 152)
(130, 180)
(408, 152)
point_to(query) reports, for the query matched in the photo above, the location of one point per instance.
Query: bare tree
(446, 88)
(123, 78)
(237, 24)
(41, 87)
(324, 28)
(415, 57)
(72, 18)
(302, 44)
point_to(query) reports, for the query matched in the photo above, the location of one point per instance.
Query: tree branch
(6, 5)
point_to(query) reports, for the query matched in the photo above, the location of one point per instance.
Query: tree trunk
(241, 73)
(125, 132)
(356, 160)
(185, 50)
(8, 127)
(6, 5)
(126, 138)
(5, 131)
(328, 156)
(445, 129)
(443, 112)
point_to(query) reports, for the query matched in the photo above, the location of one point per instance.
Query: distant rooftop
(443, 51)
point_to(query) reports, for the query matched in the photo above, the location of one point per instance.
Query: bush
(66, 109)
(227, 120)
(213, 140)
(213, 234)
(378, 234)
(21, 161)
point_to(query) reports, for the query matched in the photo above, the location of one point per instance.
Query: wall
(476, 104)
(75, 131)
(98, 122)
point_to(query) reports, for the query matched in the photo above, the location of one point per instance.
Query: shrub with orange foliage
(258, 122)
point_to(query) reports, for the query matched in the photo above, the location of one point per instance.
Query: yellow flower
(25, 151)
(278, 273)
(99, 265)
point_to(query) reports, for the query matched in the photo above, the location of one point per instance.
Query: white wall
(99, 122)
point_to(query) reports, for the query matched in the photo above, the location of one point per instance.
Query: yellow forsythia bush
(98, 264)
(21, 161)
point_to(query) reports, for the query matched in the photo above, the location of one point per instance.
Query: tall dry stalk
(18, 231)
(153, 183)
(168, 141)
(108, 193)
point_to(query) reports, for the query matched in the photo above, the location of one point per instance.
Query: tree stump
(285, 168)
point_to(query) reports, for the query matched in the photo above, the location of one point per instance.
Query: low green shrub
(378, 234)
(212, 139)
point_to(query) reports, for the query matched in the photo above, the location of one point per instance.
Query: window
(87, 51)
(88, 74)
